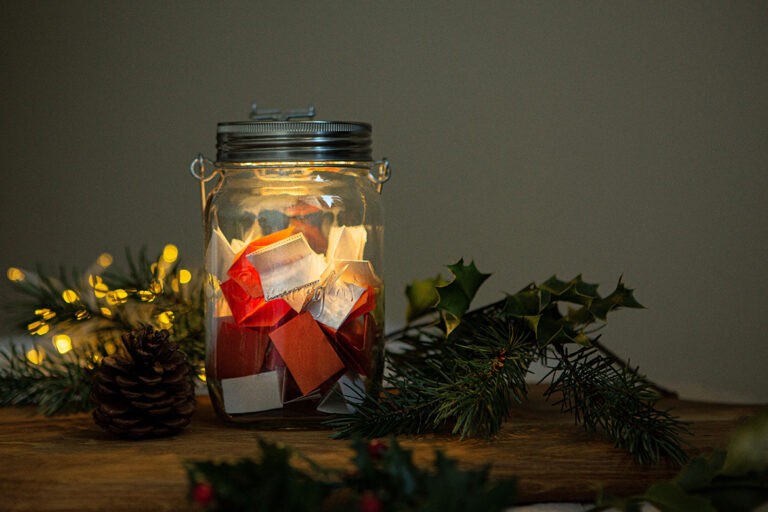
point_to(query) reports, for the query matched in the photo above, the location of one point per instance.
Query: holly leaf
(422, 297)
(748, 447)
(456, 296)
(700, 471)
(670, 497)
(621, 297)
(575, 290)
(552, 330)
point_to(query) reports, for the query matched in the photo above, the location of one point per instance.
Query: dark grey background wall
(536, 137)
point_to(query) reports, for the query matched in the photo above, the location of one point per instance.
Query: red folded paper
(239, 351)
(354, 343)
(365, 304)
(243, 273)
(251, 312)
(306, 351)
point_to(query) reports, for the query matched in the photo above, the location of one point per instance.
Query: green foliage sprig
(94, 308)
(735, 480)
(384, 478)
(463, 371)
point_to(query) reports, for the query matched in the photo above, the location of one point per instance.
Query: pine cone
(147, 394)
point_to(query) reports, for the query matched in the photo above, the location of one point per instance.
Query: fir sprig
(617, 401)
(464, 379)
(56, 383)
(466, 371)
(94, 308)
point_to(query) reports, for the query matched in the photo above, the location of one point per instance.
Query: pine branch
(94, 311)
(617, 401)
(59, 383)
(465, 381)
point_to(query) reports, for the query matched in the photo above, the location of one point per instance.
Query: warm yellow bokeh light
(35, 356)
(104, 260)
(15, 274)
(82, 314)
(99, 288)
(110, 347)
(63, 343)
(46, 313)
(156, 287)
(146, 295)
(38, 328)
(201, 375)
(175, 285)
(118, 296)
(165, 319)
(70, 296)
(170, 253)
(106, 312)
(185, 276)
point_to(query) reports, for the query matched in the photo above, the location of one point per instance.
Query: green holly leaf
(621, 297)
(575, 290)
(748, 447)
(700, 471)
(670, 497)
(525, 305)
(456, 296)
(422, 297)
(553, 330)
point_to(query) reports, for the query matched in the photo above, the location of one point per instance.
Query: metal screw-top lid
(275, 136)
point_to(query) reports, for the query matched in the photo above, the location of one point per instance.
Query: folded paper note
(354, 343)
(334, 303)
(341, 399)
(241, 270)
(254, 393)
(346, 242)
(252, 312)
(287, 266)
(239, 351)
(307, 352)
(219, 254)
(290, 392)
(359, 272)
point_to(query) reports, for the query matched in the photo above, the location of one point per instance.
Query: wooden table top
(68, 463)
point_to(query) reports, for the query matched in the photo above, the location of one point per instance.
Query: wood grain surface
(68, 463)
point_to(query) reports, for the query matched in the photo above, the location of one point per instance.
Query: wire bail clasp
(197, 170)
(380, 173)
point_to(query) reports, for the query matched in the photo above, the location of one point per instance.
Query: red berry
(376, 450)
(202, 493)
(370, 503)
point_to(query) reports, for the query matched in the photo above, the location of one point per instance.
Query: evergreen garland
(463, 371)
(93, 309)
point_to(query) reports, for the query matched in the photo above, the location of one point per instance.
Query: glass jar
(293, 261)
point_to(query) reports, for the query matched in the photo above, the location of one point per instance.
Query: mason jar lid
(295, 141)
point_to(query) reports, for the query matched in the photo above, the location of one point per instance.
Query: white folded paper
(253, 393)
(219, 255)
(358, 272)
(287, 266)
(334, 303)
(348, 391)
(346, 242)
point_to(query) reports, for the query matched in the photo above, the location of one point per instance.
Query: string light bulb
(170, 253)
(15, 274)
(104, 260)
(63, 343)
